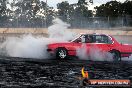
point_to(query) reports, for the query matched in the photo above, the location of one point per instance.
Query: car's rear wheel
(61, 53)
(115, 55)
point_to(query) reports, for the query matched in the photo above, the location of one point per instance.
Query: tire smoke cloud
(29, 46)
(93, 53)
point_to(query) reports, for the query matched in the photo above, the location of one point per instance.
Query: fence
(78, 22)
(101, 22)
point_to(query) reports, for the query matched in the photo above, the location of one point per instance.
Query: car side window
(84, 39)
(93, 39)
(109, 40)
(98, 39)
(103, 39)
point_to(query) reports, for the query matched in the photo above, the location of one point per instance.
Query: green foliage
(64, 10)
(68, 12)
(111, 9)
(31, 13)
(114, 9)
(127, 7)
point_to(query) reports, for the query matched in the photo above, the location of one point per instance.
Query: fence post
(108, 22)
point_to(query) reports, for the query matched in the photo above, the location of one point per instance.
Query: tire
(61, 53)
(115, 56)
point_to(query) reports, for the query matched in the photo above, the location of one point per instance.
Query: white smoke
(93, 53)
(29, 46)
(60, 30)
(82, 52)
(26, 46)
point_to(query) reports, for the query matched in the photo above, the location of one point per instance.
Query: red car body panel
(124, 49)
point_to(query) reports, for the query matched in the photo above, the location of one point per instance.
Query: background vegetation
(35, 13)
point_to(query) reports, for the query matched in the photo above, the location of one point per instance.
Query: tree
(127, 7)
(110, 9)
(2, 7)
(3, 15)
(30, 13)
(74, 13)
(82, 9)
(65, 10)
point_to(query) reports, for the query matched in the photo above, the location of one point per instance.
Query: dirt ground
(111, 31)
(42, 73)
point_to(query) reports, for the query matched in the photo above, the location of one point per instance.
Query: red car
(105, 43)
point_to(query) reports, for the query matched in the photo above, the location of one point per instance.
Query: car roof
(93, 34)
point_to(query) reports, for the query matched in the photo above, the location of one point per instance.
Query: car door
(101, 43)
(81, 46)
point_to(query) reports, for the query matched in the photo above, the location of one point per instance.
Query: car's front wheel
(61, 53)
